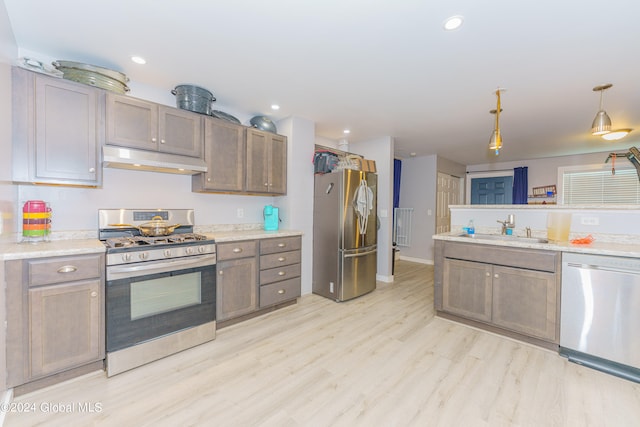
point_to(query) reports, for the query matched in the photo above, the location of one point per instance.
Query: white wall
(541, 172)
(298, 204)
(8, 52)
(381, 150)
(418, 191)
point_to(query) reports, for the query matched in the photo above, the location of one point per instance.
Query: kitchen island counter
(623, 246)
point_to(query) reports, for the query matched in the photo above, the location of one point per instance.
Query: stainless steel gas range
(160, 289)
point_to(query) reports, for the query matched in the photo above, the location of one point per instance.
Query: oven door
(151, 299)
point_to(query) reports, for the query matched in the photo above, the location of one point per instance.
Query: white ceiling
(378, 67)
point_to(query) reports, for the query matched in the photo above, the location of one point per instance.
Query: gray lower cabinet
(279, 270)
(224, 153)
(136, 123)
(266, 162)
(58, 130)
(55, 316)
(237, 280)
(513, 289)
(467, 289)
(255, 276)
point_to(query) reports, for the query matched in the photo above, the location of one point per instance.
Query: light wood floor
(379, 360)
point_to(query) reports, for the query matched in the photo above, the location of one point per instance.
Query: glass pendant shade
(601, 123)
(495, 143)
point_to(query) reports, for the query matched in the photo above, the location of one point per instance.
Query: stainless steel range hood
(127, 158)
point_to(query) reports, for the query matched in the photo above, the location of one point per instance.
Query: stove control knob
(143, 255)
(202, 249)
(188, 250)
(167, 253)
(126, 257)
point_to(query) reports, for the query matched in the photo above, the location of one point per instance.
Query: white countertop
(61, 247)
(232, 236)
(10, 250)
(631, 250)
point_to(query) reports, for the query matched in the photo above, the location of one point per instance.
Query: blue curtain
(520, 186)
(397, 169)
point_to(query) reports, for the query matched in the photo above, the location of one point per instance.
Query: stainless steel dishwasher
(600, 313)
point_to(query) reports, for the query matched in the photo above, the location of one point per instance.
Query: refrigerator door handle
(360, 254)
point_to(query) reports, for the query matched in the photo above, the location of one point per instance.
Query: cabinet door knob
(237, 250)
(162, 141)
(281, 273)
(67, 269)
(496, 275)
(153, 140)
(266, 184)
(488, 274)
(92, 170)
(221, 272)
(281, 291)
(281, 259)
(208, 179)
(94, 294)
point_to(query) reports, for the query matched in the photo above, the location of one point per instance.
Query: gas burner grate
(125, 242)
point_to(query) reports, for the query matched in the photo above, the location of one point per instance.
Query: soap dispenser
(471, 228)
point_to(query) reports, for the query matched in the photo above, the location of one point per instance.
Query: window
(596, 185)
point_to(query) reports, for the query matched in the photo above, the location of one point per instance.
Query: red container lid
(35, 206)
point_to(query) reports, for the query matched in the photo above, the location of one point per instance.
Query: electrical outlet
(590, 220)
(240, 213)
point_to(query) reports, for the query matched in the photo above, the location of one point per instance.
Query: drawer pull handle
(67, 269)
(237, 250)
(282, 245)
(281, 259)
(281, 273)
(94, 294)
(281, 291)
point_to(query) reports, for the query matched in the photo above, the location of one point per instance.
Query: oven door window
(150, 306)
(164, 294)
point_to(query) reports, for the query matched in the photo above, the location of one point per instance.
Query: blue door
(492, 191)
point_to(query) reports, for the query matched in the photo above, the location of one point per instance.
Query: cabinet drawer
(279, 259)
(234, 250)
(46, 271)
(279, 292)
(279, 244)
(279, 273)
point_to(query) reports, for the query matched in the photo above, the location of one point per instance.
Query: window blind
(601, 187)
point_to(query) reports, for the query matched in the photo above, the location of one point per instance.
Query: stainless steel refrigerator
(345, 234)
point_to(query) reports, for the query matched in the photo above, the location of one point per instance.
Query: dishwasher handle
(603, 268)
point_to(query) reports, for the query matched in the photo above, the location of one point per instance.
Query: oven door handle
(116, 272)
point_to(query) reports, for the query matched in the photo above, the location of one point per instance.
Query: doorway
(495, 190)
(447, 193)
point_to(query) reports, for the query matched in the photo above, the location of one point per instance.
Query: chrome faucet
(509, 223)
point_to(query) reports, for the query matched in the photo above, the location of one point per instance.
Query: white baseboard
(418, 260)
(6, 400)
(386, 279)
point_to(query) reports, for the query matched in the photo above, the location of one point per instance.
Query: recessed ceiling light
(412, 154)
(346, 131)
(275, 107)
(453, 23)
(139, 60)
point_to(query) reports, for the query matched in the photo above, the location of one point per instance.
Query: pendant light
(495, 143)
(601, 123)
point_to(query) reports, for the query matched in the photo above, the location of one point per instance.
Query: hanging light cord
(498, 111)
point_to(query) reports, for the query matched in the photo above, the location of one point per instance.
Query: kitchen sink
(504, 237)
